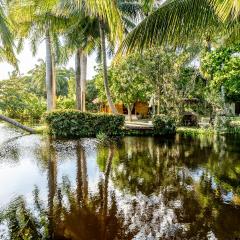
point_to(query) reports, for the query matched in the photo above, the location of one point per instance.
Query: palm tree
(7, 53)
(106, 13)
(37, 21)
(126, 9)
(80, 39)
(6, 37)
(227, 8)
(105, 70)
(179, 22)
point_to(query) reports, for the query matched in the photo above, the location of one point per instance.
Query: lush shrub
(64, 103)
(164, 125)
(74, 124)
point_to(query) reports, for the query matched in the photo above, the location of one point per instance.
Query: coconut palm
(95, 32)
(126, 9)
(80, 39)
(106, 13)
(36, 20)
(179, 22)
(7, 53)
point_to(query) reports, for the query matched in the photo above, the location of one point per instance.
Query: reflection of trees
(52, 186)
(10, 152)
(82, 182)
(90, 216)
(169, 169)
(171, 188)
(71, 213)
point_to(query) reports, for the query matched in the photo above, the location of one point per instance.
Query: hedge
(164, 125)
(75, 124)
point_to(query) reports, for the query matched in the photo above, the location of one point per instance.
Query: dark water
(135, 188)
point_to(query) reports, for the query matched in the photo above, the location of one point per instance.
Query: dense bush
(64, 103)
(164, 125)
(74, 124)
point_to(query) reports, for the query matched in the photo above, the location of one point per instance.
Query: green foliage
(75, 124)
(222, 67)
(127, 82)
(164, 125)
(24, 97)
(102, 138)
(36, 79)
(17, 102)
(91, 94)
(64, 103)
(193, 131)
(162, 74)
(180, 23)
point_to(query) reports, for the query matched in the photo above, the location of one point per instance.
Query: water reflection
(136, 188)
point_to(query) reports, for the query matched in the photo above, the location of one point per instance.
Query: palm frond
(227, 9)
(6, 37)
(176, 22)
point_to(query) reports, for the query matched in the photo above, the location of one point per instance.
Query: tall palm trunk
(78, 79)
(105, 73)
(83, 80)
(54, 81)
(49, 72)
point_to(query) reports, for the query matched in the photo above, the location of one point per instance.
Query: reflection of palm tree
(82, 181)
(90, 216)
(52, 185)
(105, 192)
(84, 216)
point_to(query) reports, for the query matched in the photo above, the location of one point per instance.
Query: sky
(27, 61)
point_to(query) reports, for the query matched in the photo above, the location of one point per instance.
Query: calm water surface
(135, 188)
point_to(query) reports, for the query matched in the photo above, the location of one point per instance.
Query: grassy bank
(194, 131)
(188, 131)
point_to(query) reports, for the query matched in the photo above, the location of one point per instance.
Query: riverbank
(187, 131)
(145, 128)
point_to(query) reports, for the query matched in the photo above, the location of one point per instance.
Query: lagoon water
(134, 188)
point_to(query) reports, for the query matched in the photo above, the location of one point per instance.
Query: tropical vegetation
(181, 58)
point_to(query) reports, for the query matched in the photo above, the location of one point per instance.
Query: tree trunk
(209, 44)
(212, 110)
(17, 124)
(83, 80)
(54, 81)
(105, 71)
(159, 100)
(78, 79)
(49, 73)
(158, 106)
(129, 108)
